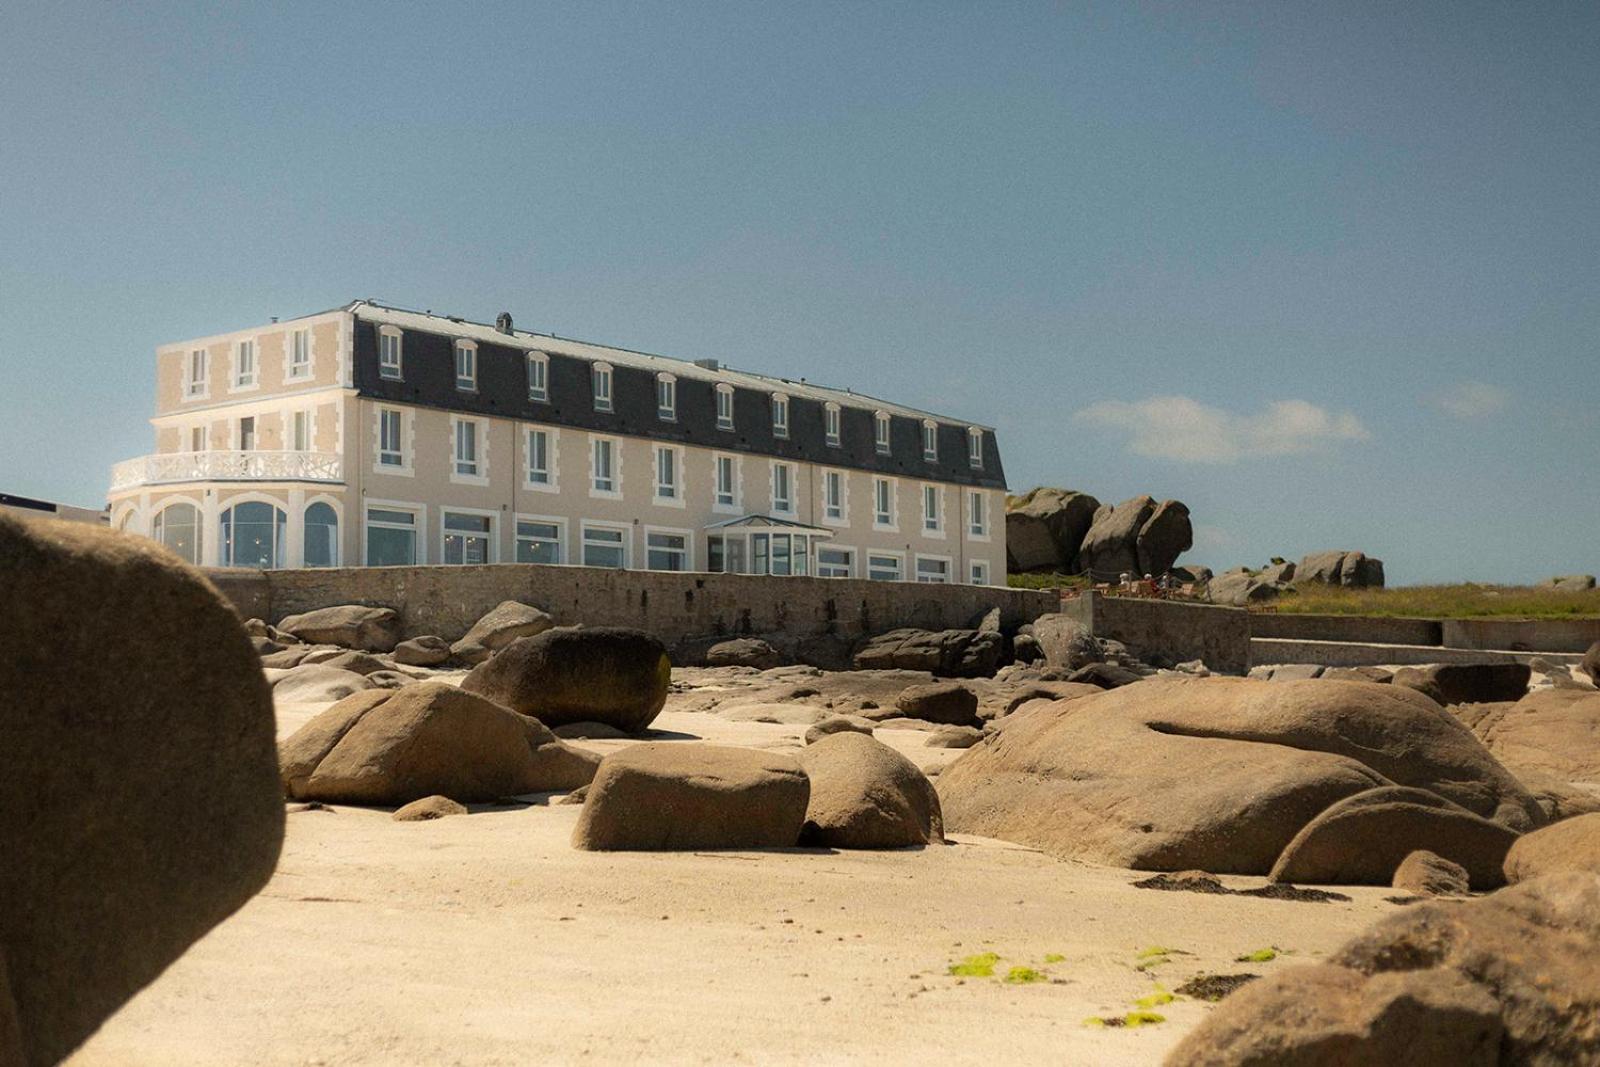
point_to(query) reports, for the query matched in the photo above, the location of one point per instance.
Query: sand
(486, 939)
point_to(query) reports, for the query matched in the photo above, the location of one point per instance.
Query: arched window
(252, 535)
(322, 536)
(177, 526)
(125, 524)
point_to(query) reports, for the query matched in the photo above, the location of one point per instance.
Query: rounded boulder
(864, 794)
(605, 674)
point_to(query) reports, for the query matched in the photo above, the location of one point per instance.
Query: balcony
(165, 468)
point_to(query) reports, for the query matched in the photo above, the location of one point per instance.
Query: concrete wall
(1356, 654)
(1511, 635)
(1168, 630)
(1365, 628)
(447, 600)
(1519, 635)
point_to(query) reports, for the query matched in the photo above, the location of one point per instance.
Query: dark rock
(428, 808)
(1164, 536)
(1044, 528)
(743, 652)
(1105, 675)
(1467, 683)
(947, 653)
(1427, 874)
(949, 703)
(424, 651)
(600, 674)
(1111, 546)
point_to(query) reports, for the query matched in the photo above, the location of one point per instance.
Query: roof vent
(502, 322)
(707, 364)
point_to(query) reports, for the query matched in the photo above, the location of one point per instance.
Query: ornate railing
(166, 467)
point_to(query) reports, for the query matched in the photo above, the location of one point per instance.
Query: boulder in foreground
(662, 796)
(602, 674)
(864, 794)
(393, 746)
(137, 775)
(357, 626)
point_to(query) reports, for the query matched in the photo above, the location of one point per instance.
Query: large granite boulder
(1510, 978)
(1553, 732)
(137, 775)
(395, 746)
(947, 653)
(1044, 528)
(1241, 589)
(1111, 547)
(1425, 874)
(662, 796)
(424, 651)
(1570, 845)
(1215, 774)
(602, 674)
(1066, 642)
(1570, 583)
(315, 683)
(864, 794)
(947, 703)
(1165, 536)
(744, 652)
(1467, 683)
(1354, 569)
(505, 623)
(355, 626)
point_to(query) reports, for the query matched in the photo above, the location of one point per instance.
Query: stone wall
(674, 607)
(1363, 628)
(1523, 635)
(1168, 630)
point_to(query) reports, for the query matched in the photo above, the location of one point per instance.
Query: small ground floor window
(466, 537)
(979, 572)
(882, 568)
(835, 562)
(605, 546)
(538, 541)
(391, 538)
(933, 570)
(667, 552)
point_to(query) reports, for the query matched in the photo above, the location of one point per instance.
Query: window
(834, 562)
(883, 503)
(300, 354)
(932, 520)
(466, 456)
(199, 373)
(780, 415)
(247, 433)
(979, 572)
(667, 551)
(300, 431)
(603, 466)
(466, 366)
(830, 418)
(604, 546)
(177, 527)
(880, 432)
(727, 483)
(975, 448)
(538, 541)
(933, 570)
(540, 473)
(197, 439)
(391, 453)
(538, 376)
(782, 488)
(978, 513)
(666, 473)
(389, 353)
(666, 398)
(930, 441)
(724, 407)
(391, 537)
(252, 535)
(467, 537)
(600, 378)
(244, 364)
(833, 495)
(321, 535)
(883, 568)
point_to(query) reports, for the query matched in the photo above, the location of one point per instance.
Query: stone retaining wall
(1168, 630)
(1517, 635)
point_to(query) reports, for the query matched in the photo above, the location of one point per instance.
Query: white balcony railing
(234, 466)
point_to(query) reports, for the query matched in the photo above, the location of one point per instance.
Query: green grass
(1260, 955)
(1467, 600)
(1047, 581)
(979, 966)
(1024, 976)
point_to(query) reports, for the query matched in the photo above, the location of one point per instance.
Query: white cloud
(1181, 428)
(1471, 400)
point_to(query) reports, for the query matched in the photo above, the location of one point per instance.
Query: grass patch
(1154, 1000)
(979, 966)
(1260, 955)
(1054, 957)
(1047, 581)
(1132, 1019)
(1466, 600)
(1156, 955)
(1024, 976)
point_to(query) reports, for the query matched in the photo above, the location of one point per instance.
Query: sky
(1327, 273)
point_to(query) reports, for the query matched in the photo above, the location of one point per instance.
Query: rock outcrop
(1570, 583)
(946, 653)
(1466, 683)
(1044, 528)
(946, 703)
(1354, 569)
(864, 794)
(357, 626)
(1570, 845)
(505, 623)
(602, 674)
(1554, 732)
(1426, 874)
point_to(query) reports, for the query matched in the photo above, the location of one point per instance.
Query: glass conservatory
(762, 544)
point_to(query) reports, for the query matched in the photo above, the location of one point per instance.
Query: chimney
(502, 322)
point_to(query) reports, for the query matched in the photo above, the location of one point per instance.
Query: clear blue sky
(1329, 273)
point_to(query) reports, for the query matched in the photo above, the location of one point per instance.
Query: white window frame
(917, 571)
(480, 439)
(978, 572)
(832, 425)
(899, 565)
(552, 459)
(299, 371)
(603, 386)
(772, 487)
(390, 340)
(242, 382)
(893, 525)
(297, 418)
(930, 440)
(197, 387)
(882, 432)
(199, 438)
(255, 433)
(419, 530)
(829, 546)
(493, 534)
(465, 354)
(736, 468)
(935, 492)
(405, 431)
(978, 517)
(585, 525)
(558, 521)
(678, 497)
(780, 416)
(975, 448)
(724, 407)
(671, 531)
(615, 443)
(538, 365)
(835, 514)
(666, 397)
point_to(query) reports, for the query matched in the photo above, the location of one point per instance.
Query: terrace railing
(165, 468)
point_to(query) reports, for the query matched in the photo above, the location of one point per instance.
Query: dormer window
(724, 407)
(389, 353)
(538, 377)
(880, 432)
(930, 441)
(830, 417)
(466, 366)
(780, 415)
(666, 398)
(975, 448)
(600, 376)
